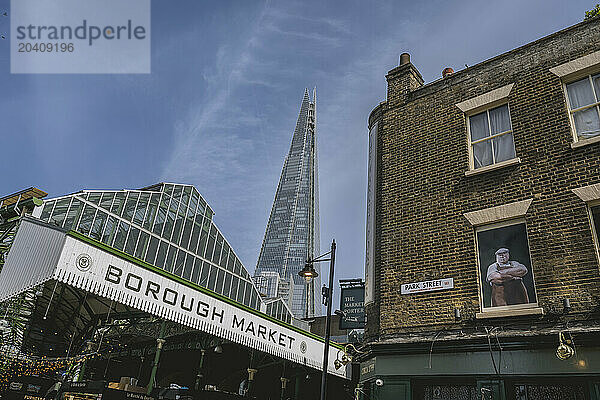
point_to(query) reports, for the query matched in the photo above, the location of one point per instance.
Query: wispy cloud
(320, 39)
(322, 22)
(232, 142)
(219, 108)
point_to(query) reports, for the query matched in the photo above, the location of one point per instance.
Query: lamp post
(308, 272)
(159, 345)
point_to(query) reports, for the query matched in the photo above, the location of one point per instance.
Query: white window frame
(485, 102)
(573, 71)
(591, 196)
(570, 111)
(471, 143)
(590, 205)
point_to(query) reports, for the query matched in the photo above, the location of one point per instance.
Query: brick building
(486, 184)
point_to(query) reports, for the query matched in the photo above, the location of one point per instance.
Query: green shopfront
(505, 368)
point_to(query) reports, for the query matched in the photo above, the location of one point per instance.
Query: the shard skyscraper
(292, 233)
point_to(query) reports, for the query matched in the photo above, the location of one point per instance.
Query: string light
(15, 366)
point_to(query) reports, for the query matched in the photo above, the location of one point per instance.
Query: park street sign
(427, 286)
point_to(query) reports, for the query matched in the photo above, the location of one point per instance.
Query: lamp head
(308, 272)
(566, 305)
(457, 314)
(564, 350)
(338, 364)
(346, 359)
(251, 373)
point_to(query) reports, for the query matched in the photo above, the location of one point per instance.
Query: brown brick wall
(423, 191)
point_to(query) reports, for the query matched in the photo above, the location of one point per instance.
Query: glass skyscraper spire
(292, 233)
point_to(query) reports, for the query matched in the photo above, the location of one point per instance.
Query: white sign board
(427, 286)
(94, 270)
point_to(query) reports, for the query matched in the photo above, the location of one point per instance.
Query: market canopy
(22, 195)
(42, 254)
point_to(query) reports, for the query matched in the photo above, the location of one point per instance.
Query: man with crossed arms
(505, 277)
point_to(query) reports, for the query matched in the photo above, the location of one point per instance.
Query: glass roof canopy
(167, 225)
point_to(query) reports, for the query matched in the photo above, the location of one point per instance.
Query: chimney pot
(404, 58)
(447, 71)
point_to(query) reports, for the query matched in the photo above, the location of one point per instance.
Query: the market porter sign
(352, 306)
(427, 286)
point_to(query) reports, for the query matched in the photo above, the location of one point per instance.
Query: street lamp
(308, 272)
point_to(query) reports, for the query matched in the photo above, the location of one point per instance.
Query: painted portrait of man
(506, 278)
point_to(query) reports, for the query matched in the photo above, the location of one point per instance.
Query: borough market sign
(81, 262)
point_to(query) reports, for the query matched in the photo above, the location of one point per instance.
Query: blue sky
(219, 108)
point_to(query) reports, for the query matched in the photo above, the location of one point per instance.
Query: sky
(220, 105)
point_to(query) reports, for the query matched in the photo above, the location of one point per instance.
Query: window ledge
(485, 100)
(509, 313)
(590, 193)
(585, 142)
(493, 167)
(499, 213)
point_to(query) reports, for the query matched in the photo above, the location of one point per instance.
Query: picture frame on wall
(505, 275)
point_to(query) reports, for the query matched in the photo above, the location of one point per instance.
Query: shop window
(506, 279)
(550, 391)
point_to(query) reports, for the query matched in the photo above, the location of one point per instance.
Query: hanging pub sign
(352, 304)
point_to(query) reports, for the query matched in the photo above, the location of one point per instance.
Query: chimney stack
(401, 81)
(447, 71)
(404, 58)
